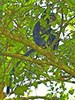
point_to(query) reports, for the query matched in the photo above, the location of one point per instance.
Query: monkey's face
(52, 17)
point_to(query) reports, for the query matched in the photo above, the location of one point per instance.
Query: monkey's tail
(29, 52)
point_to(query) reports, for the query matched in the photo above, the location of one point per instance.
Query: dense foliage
(51, 67)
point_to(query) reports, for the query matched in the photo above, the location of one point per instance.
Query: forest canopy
(53, 67)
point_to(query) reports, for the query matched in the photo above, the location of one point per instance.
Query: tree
(18, 18)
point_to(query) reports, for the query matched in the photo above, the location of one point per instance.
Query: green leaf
(71, 3)
(35, 84)
(71, 91)
(21, 89)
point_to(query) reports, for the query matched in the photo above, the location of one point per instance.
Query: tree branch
(21, 57)
(36, 97)
(50, 55)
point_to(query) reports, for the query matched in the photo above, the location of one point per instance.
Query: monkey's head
(50, 18)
